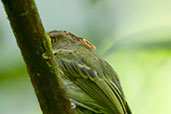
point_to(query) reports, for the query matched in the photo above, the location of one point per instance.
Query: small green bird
(91, 83)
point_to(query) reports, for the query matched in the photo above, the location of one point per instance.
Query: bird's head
(64, 39)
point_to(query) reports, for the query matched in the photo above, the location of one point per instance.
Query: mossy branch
(37, 53)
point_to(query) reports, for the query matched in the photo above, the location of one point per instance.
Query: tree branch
(37, 53)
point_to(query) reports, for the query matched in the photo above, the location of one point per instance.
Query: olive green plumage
(91, 83)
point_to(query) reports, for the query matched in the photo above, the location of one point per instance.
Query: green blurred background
(133, 35)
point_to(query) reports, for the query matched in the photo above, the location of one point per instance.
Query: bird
(92, 85)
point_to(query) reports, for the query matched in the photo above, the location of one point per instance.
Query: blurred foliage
(133, 36)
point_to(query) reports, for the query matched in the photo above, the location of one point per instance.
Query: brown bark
(37, 53)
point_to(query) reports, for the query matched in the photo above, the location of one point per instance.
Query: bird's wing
(98, 87)
(82, 103)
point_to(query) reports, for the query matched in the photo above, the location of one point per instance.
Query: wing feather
(101, 89)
